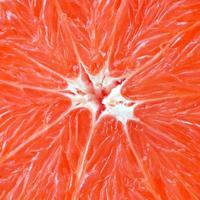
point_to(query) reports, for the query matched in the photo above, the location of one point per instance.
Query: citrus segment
(107, 172)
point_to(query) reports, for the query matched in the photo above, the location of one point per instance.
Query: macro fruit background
(99, 99)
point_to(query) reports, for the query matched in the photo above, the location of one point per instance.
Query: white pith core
(118, 106)
(114, 103)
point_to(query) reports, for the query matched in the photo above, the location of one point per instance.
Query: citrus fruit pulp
(99, 99)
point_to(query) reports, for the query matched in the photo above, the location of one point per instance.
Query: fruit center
(100, 96)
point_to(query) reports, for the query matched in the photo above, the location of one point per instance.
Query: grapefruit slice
(99, 99)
